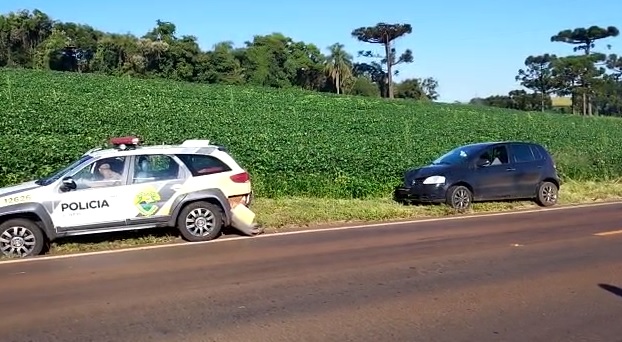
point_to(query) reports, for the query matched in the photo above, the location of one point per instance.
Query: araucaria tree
(585, 39)
(538, 76)
(385, 34)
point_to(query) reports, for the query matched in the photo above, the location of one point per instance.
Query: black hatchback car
(484, 172)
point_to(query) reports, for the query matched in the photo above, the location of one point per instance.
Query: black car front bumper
(425, 193)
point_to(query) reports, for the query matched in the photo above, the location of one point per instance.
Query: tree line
(590, 78)
(34, 40)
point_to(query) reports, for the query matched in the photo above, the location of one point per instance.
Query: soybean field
(292, 142)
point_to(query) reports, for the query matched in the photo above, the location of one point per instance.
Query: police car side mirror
(68, 184)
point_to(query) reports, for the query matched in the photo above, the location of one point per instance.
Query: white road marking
(613, 232)
(309, 231)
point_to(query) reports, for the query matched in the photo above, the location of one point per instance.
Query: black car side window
(522, 153)
(498, 155)
(536, 153)
(484, 159)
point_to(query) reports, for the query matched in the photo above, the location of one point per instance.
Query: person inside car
(109, 177)
(108, 173)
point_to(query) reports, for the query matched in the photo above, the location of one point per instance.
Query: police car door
(154, 180)
(96, 202)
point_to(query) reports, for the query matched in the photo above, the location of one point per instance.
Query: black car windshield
(57, 174)
(457, 155)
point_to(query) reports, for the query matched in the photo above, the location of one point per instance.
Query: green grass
(294, 143)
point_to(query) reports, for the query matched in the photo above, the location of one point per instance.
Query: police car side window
(153, 168)
(105, 172)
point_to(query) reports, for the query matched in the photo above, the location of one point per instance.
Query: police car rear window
(201, 165)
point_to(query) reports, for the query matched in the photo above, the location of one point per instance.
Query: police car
(193, 186)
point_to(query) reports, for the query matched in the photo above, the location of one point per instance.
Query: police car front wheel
(21, 238)
(200, 221)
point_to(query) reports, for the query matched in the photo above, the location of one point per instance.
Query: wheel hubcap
(17, 241)
(461, 199)
(549, 194)
(200, 222)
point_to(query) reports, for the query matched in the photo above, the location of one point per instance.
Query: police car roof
(157, 149)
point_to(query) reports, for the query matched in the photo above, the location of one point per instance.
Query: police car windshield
(57, 174)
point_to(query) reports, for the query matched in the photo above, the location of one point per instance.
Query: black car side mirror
(482, 162)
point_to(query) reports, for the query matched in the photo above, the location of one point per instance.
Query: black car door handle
(510, 169)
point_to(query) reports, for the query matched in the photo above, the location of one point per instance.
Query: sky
(473, 48)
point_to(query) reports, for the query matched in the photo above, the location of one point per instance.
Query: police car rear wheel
(21, 238)
(200, 221)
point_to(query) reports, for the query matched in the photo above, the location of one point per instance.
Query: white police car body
(192, 186)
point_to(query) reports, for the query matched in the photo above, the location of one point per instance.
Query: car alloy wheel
(200, 221)
(548, 194)
(18, 241)
(461, 199)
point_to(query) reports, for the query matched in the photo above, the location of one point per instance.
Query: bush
(292, 142)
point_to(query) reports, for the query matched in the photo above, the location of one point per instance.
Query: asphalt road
(529, 277)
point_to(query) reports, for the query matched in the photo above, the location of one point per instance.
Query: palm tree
(338, 65)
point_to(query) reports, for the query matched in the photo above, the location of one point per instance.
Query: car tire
(210, 223)
(27, 236)
(459, 194)
(547, 194)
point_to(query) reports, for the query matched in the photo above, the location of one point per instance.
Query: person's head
(143, 163)
(105, 170)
